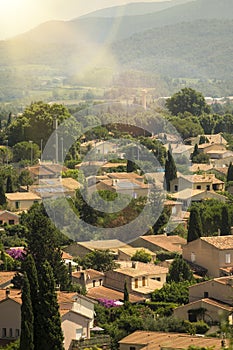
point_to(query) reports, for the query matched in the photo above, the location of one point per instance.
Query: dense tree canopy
(187, 100)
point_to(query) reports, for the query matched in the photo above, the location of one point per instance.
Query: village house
(77, 315)
(88, 278)
(205, 182)
(46, 171)
(141, 278)
(9, 218)
(10, 307)
(216, 139)
(157, 243)
(54, 187)
(209, 300)
(188, 195)
(126, 253)
(130, 184)
(215, 254)
(82, 248)
(102, 292)
(20, 201)
(144, 340)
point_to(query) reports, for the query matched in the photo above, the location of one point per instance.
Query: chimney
(7, 292)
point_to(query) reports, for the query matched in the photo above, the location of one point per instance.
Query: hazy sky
(17, 16)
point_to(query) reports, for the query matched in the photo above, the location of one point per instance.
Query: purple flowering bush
(108, 302)
(16, 253)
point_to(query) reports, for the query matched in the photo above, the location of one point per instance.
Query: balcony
(102, 341)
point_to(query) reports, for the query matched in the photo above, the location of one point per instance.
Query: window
(206, 295)
(228, 258)
(10, 332)
(143, 281)
(198, 187)
(208, 187)
(193, 257)
(4, 333)
(101, 282)
(17, 205)
(79, 333)
(132, 348)
(136, 282)
(1, 222)
(11, 222)
(93, 283)
(17, 333)
(176, 188)
(35, 201)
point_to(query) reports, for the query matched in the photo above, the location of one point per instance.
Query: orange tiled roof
(6, 276)
(219, 242)
(90, 273)
(158, 340)
(15, 294)
(170, 243)
(111, 294)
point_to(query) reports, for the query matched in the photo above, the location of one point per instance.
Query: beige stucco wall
(71, 322)
(212, 313)
(84, 307)
(23, 204)
(218, 291)
(10, 317)
(206, 255)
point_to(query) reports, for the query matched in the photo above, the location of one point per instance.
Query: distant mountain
(199, 49)
(191, 40)
(134, 9)
(101, 30)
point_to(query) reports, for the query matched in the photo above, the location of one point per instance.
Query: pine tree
(9, 184)
(51, 337)
(179, 271)
(29, 267)
(170, 169)
(195, 225)
(230, 172)
(2, 194)
(225, 228)
(27, 319)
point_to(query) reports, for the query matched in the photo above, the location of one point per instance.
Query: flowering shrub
(16, 253)
(108, 302)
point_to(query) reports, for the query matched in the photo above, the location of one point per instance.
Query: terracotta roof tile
(90, 273)
(158, 340)
(219, 242)
(111, 294)
(6, 277)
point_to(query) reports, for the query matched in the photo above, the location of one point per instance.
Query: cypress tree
(230, 172)
(195, 152)
(126, 293)
(225, 228)
(27, 319)
(2, 194)
(170, 169)
(9, 184)
(51, 337)
(195, 225)
(29, 267)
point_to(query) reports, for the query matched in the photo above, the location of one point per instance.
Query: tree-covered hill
(196, 50)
